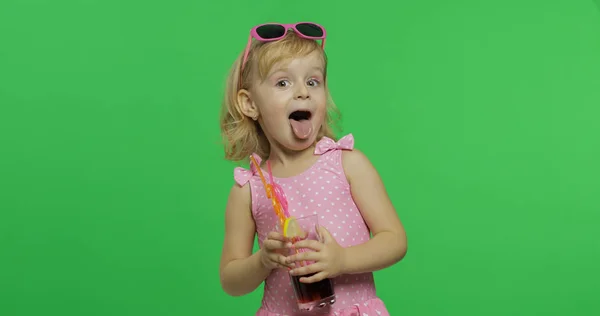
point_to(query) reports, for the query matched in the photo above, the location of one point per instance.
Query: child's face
(292, 102)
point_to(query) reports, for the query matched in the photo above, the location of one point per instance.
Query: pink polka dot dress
(323, 190)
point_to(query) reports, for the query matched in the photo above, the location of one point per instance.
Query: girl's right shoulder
(239, 201)
(241, 188)
(242, 175)
(240, 193)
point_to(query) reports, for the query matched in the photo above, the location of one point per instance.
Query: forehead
(311, 61)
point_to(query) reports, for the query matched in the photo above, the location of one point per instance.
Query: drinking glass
(310, 295)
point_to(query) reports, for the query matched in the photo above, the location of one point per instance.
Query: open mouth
(300, 115)
(301, 124)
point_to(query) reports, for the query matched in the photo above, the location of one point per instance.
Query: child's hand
(328, 258)
(272, 251)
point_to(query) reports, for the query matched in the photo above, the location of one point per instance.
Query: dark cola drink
(309, 296)
(313, 295)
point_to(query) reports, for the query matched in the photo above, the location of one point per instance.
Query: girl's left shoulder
(354, 162)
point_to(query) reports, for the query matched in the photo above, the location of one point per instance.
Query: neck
(285, 157)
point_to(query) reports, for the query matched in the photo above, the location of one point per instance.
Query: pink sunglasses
(269, 32)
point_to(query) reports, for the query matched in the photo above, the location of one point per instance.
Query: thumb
(325, 235)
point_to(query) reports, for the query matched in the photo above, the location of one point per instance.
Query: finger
(315, 278)
(276, 236)
(310, 244)
(325, 235)
(281, 266)
(282, 262)
(311, 268)
(301, 256)
(271, 245)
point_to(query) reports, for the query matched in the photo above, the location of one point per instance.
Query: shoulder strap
(242, 175)
(327, 144)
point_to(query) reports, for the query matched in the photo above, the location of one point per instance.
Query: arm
(241, 271)
(388, 244)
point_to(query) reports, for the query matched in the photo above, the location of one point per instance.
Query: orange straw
(276, 204)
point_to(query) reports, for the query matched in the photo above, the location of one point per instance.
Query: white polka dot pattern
(323, 190)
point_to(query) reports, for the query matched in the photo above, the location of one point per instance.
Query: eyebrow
(321, 69)
(286, 69)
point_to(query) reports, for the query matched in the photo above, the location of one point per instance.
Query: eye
(313, 82)
(282, 83)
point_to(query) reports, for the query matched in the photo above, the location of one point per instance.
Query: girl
(277, 107)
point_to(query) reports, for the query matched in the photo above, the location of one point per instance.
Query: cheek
(321, 102)
(272, 110)
(272, 103)
(320, 96)
(321, 115)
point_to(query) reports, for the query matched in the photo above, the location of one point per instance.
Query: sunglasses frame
(254, 34)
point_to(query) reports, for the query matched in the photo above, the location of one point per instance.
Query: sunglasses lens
(270, 31)
(310, 29)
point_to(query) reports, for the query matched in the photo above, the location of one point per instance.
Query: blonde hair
(243, 136)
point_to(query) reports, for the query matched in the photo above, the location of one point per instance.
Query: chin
(294, 143)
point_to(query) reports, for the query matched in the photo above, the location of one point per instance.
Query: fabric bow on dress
(326, 144)
(242, 176)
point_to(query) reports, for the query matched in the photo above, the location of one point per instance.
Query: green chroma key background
(481, 116)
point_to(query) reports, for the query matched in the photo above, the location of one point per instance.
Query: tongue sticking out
(301, 128)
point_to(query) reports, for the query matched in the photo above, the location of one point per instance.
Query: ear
(247, 106)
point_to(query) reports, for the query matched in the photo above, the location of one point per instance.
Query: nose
(302, 93)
